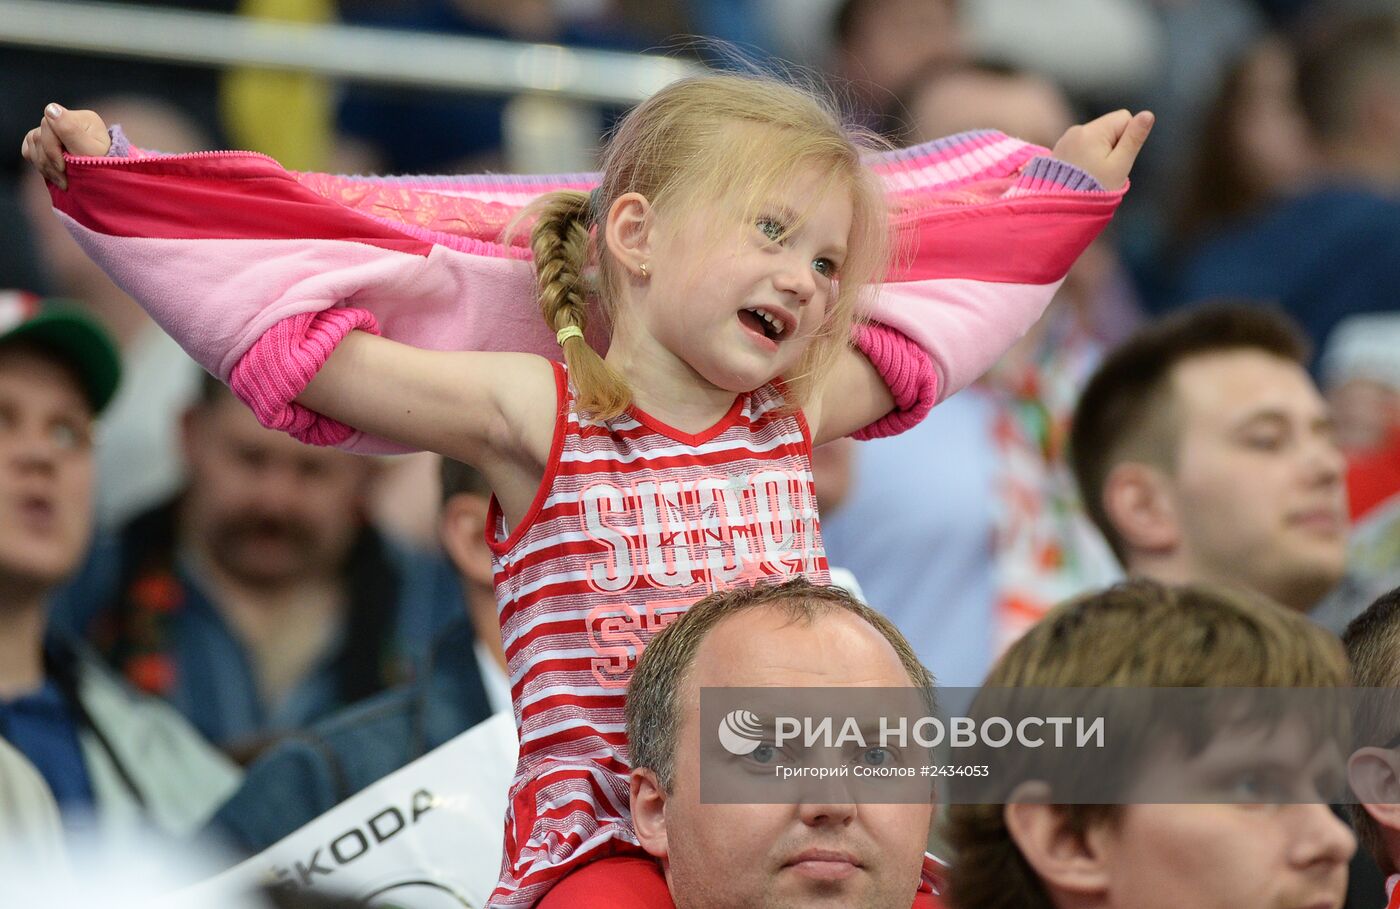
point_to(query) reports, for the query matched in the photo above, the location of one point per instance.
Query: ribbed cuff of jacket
(281, 363)
(908, 371)
(1044, 174)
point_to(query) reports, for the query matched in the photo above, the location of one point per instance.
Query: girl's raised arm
(980, 274)
(479, 408)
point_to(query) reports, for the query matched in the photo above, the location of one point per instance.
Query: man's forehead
(22, 361)
(1233, 385)
(767, 646)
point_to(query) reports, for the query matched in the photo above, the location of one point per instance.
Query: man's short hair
(653, 695)
(1336, 70)
(1139, 634)
(1126, 413)
(1372, 641)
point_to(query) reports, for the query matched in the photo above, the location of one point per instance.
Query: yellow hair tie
(567, 332)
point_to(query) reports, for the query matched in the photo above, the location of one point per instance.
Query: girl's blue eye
(825, 267)
(771, 229)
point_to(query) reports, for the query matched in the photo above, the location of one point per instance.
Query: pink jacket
(220, 247)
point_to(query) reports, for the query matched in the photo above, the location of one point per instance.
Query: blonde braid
(560, 243)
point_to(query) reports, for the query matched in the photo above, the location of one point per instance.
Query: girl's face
(739, 301)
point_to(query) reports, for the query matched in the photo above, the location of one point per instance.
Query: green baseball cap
(70, 334)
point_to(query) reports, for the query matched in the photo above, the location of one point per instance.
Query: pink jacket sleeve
(220, 247)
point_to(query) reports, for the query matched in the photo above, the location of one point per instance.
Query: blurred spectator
(1199, 40)
(1332, 250)
(997, 531)
(1361, 372)
(259, 599)
(111, 759)
(1361, 375)
(881, 44)
(462, 682)
(1253, 145)
(1033, 853)
(138, 462)
(1204, 453)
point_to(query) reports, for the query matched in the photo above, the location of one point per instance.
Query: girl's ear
(628, 232)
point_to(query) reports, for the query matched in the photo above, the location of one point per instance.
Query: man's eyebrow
(1275, 415)
(1268, 414)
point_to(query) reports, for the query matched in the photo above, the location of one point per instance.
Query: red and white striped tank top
(634, 522)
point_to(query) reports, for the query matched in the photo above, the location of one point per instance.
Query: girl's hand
(1107, 147)
(78, 132)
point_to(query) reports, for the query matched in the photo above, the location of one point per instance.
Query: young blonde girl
(734, 241)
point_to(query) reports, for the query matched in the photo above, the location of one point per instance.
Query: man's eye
(1264, 442)
(764, 754)
(1258, 787)
(877, 757)
(771, 229)
(71, 438)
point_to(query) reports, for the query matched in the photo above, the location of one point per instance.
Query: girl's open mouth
(758, 321)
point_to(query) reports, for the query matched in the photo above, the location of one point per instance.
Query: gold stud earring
(644, 269)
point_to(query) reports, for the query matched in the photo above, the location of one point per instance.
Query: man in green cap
(112, 760)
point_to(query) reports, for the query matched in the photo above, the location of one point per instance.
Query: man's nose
(1326, 463)
(277, 487)
(1321, 837)
(828, 809)
(32, 448)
